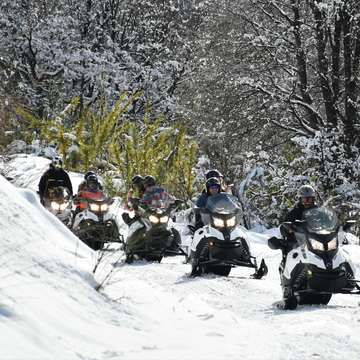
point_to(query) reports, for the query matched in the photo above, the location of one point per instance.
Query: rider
(53, 177)
(306, 195)
(136, 191)
(150, 195)
(92, 190)
(212, 187)
(83, 184)
(153, 194)
(217, 174)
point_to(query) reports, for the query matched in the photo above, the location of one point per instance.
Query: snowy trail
(230, 317)
(50, 310)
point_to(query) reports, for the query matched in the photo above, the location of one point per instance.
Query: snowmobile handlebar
(276, 243)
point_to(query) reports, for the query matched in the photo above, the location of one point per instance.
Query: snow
(49, 308)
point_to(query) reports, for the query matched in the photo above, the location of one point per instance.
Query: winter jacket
(156, 196)
(82, 197)
(201, 201)
(296, 213)
(83, 184)
(60, 177)
(132, 194)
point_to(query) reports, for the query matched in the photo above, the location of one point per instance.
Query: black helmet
(213, 181)
(149, 181)
(213, 173)
(92, 183)
(306, 191)
(56, 162)
(137, 180)
(88, 174)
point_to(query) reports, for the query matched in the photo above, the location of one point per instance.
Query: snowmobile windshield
(59, 192)
(321, 220)
(157, 199)
(222, 203)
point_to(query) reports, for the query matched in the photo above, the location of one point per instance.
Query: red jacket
(98, 195)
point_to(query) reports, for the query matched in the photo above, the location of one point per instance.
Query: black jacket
(296, 213)
(61, 179)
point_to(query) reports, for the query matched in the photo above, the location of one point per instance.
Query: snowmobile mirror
(348, 224)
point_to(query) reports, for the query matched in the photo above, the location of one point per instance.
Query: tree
(309, 68)
(53, 51)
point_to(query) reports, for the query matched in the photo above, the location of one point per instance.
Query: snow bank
(48, 306)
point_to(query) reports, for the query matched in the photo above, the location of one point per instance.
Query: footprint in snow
(205, 316)
(214, 334)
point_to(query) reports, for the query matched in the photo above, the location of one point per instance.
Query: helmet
(56, 162)
(137, 180)
(149, 181)
(92, 183)
(306, 191)
(213, 182)
(88, 174)
(213, 173)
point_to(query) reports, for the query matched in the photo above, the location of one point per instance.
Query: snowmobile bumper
(157, 243)
(228, 253)
(321, 281)
(103, 232)
(327, 280)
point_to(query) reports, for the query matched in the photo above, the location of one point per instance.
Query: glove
(126, 218)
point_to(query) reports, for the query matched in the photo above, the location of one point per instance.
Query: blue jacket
(201, 201)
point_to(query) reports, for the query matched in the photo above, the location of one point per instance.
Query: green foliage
(106, 138)
(164, 152)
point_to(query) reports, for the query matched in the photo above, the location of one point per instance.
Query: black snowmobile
(151, 235)
(58, 201)
(96, 225)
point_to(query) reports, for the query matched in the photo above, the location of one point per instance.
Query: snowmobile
(95, 225)
(58, 201)
(151, 235)
(315, 267)
(222, 243)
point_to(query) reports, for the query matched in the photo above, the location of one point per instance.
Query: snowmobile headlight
(164, 219)
(55, 206)
(218, 222)
(63, 206)
(231, 222)
(154, 219)
(317, 245)
(94, 207)
(332, 245)
(104, 207)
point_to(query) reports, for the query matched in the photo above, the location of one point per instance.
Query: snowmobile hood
(222, 203)
(321, 220)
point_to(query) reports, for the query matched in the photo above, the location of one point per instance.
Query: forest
(266, 91)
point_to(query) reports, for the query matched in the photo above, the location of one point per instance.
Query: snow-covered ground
(49, 308)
